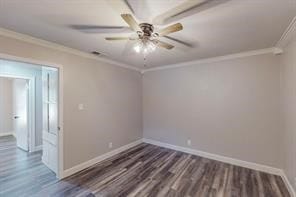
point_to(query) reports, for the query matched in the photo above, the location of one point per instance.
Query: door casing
(60, 171)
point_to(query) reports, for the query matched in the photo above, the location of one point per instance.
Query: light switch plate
(81, 106)
(189, 142)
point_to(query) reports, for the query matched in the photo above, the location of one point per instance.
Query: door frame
(60, 136)
(31, 108)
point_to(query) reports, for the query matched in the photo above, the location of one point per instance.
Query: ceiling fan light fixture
(138, 47)
(150, 46)
(145, 46)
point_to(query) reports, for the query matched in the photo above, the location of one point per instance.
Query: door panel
(53, 121)
(20, 109)
(53, 84)
(45, 115)
(50, 117)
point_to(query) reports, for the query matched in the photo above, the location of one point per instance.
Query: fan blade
(122, 38)
(129, 19)
(121, 6)
(164, 44)
(170, 29)
(100, 29)
(180, 42)
(188, 8)
(117, 38)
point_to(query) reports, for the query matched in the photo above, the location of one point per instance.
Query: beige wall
(289, 109)
(229, 108)
(112, 98)
(6, 106)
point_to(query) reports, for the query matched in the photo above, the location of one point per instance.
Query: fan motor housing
(147, 29)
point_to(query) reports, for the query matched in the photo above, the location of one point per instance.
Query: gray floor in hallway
(21, 173)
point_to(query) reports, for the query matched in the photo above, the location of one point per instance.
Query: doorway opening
(29, 110)
(20, 106)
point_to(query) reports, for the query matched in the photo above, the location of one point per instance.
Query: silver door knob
(16, 117)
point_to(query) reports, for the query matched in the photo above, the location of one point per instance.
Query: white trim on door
(60, 103)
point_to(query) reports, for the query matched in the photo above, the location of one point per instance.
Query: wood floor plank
(144, 170)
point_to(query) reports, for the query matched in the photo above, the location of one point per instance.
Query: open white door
(20, 106)
(50, 118)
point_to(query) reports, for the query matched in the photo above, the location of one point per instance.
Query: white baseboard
(288, 184)
(246, 164)
(6, 134)
(98, 159)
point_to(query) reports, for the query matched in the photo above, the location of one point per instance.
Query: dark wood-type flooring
(144, 170)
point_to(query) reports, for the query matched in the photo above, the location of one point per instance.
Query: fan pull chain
(145, 65)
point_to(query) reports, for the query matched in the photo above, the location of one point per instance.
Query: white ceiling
(231, 26)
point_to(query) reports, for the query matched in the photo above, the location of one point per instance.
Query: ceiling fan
(147, 38)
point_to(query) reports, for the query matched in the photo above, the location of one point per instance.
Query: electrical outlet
(110, 144)
(189, 142)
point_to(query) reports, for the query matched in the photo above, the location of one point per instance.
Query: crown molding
(288, 34)
(55, 46)
(284, 40)
(272, 50)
